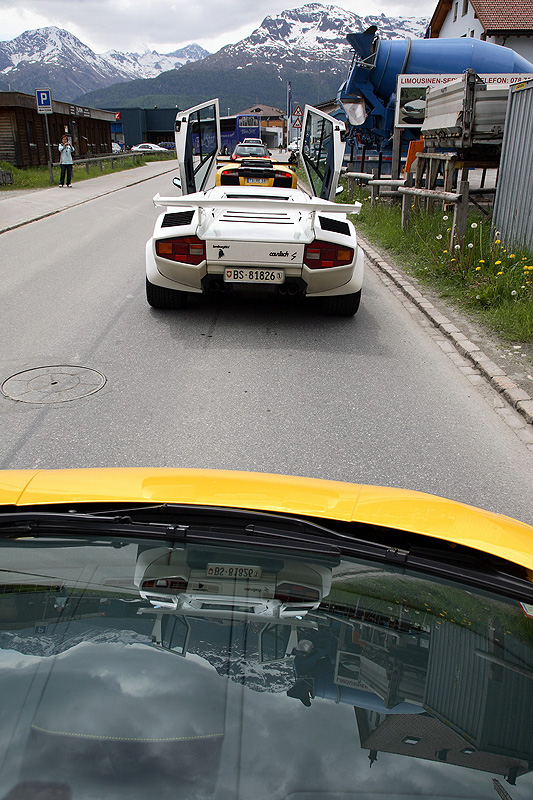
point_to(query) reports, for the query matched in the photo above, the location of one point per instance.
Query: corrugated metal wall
(513, 206)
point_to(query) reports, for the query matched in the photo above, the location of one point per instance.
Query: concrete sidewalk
(28, 205)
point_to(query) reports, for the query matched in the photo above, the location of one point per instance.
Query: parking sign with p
(44, 101)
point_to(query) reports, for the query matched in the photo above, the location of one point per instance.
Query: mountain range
(306, 46)
(54, 58)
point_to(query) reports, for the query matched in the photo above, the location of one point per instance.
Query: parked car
(132, 661)
(252, 141)
(299, 244)
(246, 150)
(168, 145)
(293, 146)
(149, 148)
(256, 172)
(115, 147)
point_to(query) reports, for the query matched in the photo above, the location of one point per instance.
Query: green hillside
(236, 88)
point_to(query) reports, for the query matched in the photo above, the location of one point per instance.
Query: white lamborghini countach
(249, 233)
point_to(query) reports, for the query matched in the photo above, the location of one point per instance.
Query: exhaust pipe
(216, 285)
(290, 289)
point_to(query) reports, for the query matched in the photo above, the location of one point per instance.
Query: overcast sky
(165, 25)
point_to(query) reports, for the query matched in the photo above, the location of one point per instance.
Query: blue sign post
(43, 98)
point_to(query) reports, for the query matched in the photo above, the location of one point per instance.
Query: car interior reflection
(165, 666)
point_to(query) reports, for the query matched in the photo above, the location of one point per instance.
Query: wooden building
(23, 141)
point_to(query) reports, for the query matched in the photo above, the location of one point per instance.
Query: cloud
(134, 26)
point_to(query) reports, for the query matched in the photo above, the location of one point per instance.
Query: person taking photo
(65, 159)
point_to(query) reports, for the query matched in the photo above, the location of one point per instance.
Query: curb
(515, 396)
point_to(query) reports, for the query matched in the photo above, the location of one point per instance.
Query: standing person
(65, 158)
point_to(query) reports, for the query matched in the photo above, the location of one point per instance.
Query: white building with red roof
(505, 22)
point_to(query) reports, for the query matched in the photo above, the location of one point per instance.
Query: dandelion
(445, 217)
(497, 233)
(470, 245)
(514, 293)
(457, 247)
(511, 255)
(439, 236)
(452, 259)
(478, 297)
(499, 273)
(497, 241)
(481, 260)
(477, 269)
(444, 251)
(497, 262)
(474, 225)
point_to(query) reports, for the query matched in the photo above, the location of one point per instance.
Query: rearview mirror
(177, 182)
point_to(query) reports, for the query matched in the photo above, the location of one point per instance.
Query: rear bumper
(312, 283)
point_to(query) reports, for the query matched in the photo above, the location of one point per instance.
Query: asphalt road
(236, 383)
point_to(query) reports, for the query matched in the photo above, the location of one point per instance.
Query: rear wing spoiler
(313, 204)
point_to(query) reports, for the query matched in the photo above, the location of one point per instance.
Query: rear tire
(342, 305)
(161, 297)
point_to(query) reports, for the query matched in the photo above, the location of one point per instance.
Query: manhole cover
(56, 384)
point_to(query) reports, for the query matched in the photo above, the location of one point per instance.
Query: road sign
(297, 123)
(44, 101)
(297, 112)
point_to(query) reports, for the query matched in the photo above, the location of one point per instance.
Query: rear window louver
(334, 225)
(177, 218)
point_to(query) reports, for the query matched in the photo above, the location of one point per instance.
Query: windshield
(257, 150)
(148, 669)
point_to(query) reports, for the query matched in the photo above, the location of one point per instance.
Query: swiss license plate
(233, 571)
(256, 180)
(236, 275)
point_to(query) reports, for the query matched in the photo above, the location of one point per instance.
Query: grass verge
(492, 283)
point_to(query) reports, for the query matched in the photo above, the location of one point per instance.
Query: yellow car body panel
(386, 507)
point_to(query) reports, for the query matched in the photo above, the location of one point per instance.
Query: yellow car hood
(329, 500)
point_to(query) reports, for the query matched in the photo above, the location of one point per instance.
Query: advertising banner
(411, 93)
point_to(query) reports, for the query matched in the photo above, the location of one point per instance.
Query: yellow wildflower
(497, 262)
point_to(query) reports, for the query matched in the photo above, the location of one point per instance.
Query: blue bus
(234, 129)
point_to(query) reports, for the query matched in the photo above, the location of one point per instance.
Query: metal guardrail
(120, 157)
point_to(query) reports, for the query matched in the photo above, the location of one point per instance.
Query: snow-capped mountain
(306, 45)
(300, 36)
(151, 63)
(54, 57)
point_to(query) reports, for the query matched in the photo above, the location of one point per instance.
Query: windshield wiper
(396, 549)
(222, 529)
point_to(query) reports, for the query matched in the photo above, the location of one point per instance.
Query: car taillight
(321, 255)
(170, 585)
(187, 249)
(291, 592)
